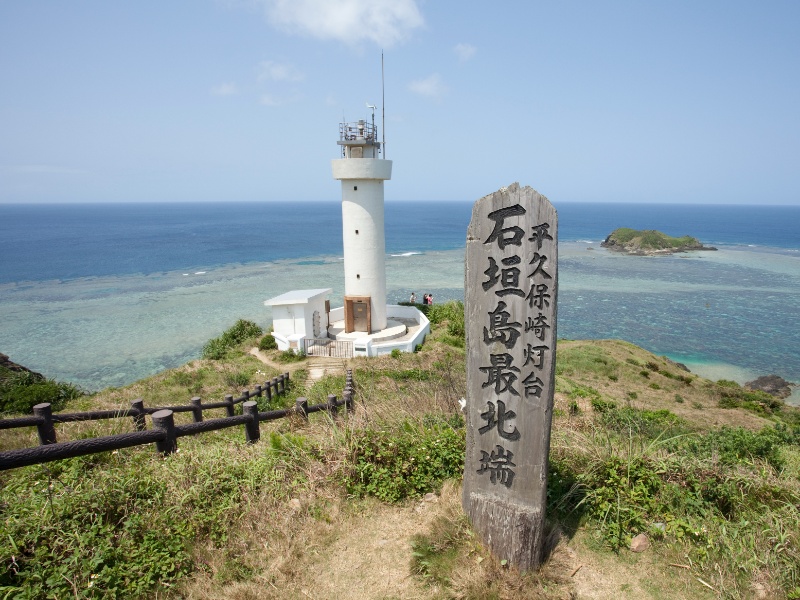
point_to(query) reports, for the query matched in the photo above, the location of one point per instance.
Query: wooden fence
(164, 432)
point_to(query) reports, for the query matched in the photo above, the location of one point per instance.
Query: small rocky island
(649, 242)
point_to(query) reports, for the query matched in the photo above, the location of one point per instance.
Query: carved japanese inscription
(511, 290)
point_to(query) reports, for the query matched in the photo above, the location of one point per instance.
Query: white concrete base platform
(394, 329)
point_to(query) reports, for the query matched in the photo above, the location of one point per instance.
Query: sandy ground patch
(371, 559)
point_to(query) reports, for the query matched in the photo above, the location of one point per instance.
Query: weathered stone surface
(640, 543)
(771, 384)
(511, 289)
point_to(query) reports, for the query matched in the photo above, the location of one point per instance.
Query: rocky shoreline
(773, 385)
(6, 364)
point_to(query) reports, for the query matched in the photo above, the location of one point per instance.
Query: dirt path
(371, 560)
(317, 368)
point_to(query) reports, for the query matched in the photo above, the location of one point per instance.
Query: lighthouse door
(360, 316)
(357, 314)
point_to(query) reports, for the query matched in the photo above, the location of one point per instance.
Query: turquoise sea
(102, 295)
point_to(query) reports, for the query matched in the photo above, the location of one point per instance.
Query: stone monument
(511, 289)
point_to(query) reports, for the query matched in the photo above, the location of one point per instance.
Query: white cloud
(225, 89)
(270, 70)
(384, 22)
(464, 51)
(431, 86)
(268, 99)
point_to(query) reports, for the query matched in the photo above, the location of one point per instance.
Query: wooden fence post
(138, 418)
(274, 384)
(47, 433)
(332, 409)
(246, 395)
(197, 409)
(229, 407)
(301, 408)
(164, 421)
(259, 390)
(251, 431)
(267, 391)
(348, 400)
(286, 381)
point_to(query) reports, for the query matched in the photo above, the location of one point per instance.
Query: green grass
(718, 497)
(586, 360)
(122, 524)
(725, 500)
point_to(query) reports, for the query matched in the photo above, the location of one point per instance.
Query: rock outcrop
(6, 365)
(650, 242)
(772, 385)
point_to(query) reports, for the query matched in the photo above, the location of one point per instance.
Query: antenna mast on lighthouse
(383, 110)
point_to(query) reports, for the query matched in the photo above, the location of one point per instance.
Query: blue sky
(240, 100)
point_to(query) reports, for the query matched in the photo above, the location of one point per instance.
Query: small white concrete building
(299, 314)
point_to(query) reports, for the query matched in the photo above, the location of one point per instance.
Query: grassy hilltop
(369, 506)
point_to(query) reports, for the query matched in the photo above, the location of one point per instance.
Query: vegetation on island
(650, 241)
(709, 471)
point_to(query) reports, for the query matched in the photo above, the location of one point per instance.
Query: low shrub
(405, 462)
(237, 379)
(736, 445)
(453, 313)
(290, 356)
(267, 343)
(19, 393)
(602, 406)
(218, 348)
(648, 424)
(584, 391)
(408, 374)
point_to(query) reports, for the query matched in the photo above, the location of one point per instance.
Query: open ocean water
(103, 295)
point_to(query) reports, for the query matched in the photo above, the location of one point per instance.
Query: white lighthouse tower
(303, 320)
(362, 174)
